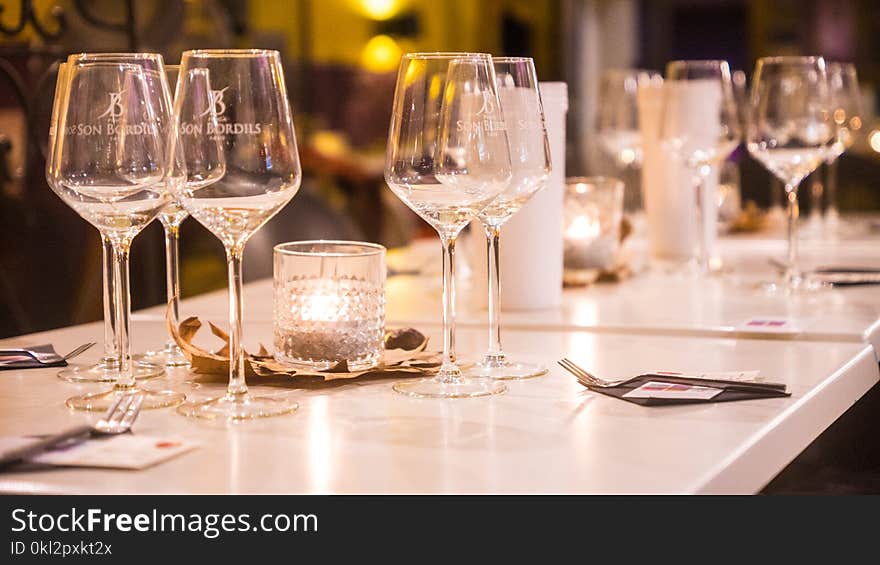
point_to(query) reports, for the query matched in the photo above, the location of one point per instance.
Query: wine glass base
(241, 407)
(793, 287)
(107, 371)
(503, 369)
(170, 356)
(101, 401)
(459, 387)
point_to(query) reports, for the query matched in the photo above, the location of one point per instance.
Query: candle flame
(582, 227)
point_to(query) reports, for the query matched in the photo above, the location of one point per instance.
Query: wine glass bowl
(617, 116)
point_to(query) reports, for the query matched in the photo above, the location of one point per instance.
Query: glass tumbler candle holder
(591, 232)
(329, 304)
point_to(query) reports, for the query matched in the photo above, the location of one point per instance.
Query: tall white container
(667, 184)
(531, 241)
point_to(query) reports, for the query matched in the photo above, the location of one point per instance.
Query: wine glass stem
(109, 283)
(493, 241)
(831, 187)
(172, 270)
(816, 191)
(793, 272)
(448, 369)
(702, 239)
(237, 387)
(123, 310)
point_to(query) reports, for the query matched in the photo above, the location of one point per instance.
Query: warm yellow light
(874, 140)
(381, 54)
(329, 143)
(380, 9)
(434, 87)
(627, 156)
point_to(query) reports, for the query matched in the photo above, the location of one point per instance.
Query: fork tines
(79, 350)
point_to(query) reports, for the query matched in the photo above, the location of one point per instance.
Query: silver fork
(585, 377)
(117, 420)
(49, 357)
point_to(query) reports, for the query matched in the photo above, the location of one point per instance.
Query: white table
(545, 435)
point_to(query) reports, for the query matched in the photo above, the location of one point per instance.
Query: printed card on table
(125, 451)
(771, 324)
(673, 391)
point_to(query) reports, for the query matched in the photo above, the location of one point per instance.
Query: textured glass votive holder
(591, 232)
(329, 303)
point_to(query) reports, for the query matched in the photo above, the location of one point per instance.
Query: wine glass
(447, 159)
(249, 115)
(617, 115)
(700, 126)
(517, 85)
(109, 165)
(846, 111)
(159, 76)
(791, 132)
(171, 217)
(107, 369)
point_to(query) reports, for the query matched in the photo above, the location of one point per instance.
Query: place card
(123, 451)
(673, 391)
(771, 324)
(733, 376)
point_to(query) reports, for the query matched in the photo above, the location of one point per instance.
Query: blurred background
(340, 59)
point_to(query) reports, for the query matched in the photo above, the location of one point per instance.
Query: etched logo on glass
(223, 127)
(113, 112)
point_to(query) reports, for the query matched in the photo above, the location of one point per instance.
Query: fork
(49, 357)
(585, 377)
(589, 380)
(117, 420)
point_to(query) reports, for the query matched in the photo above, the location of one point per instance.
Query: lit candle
(593, 211)
(326, 315)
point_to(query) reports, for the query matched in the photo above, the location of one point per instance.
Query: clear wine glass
(107, 369)
(447, 159)
(249, 115)
(791, 132)
(700, 126)
(159, 76)
(617, 115)
(846, 111)
(171, 217)
(109, 165)
(517, 85)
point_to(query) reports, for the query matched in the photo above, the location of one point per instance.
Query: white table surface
(546, 435)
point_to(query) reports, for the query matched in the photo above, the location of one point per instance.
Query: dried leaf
(404, 355)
